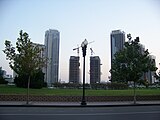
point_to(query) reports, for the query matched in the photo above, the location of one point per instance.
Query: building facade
(150, 75)
(117, 42)
(52, 41)
(95, 69)
(74, 70)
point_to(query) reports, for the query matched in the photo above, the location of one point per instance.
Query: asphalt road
(81, 113)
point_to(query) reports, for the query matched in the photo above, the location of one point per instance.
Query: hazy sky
(80, 19)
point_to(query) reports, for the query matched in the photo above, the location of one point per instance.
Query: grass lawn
(76, 92)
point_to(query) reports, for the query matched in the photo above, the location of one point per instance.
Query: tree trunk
(28, 90)
(134, 92)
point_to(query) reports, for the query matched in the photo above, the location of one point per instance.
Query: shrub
(117, 86)
(2, 80)
(36, 80)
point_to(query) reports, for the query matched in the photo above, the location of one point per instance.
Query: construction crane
(92, 52)
(77, 49)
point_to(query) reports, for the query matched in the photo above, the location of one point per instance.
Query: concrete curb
(78, 105)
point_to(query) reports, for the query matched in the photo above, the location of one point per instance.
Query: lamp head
(85, 42)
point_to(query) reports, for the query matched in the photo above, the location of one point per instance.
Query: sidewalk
(76, 104)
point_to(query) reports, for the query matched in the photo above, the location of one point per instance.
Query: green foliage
(109, 86)
(117, 86)
(25, 59)
(131, 62)
(36, 81)
(21, 81)
(2, 80)
(97, 86)
(28, 57)
(94, 86)
(67, 85)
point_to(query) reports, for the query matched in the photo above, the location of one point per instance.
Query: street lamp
(84, 47)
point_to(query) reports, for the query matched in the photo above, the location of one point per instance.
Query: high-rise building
(74, 70)
(117, 42)
(149, 76)
(95, 69)
(52, 41)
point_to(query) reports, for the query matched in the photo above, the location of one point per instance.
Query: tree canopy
(26, 58)
(131, 62)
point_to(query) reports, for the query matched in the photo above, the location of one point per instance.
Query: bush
(67, 85)
(36, 80)
(98, 86)
(117, 86)
(2, 80)
(21, 81)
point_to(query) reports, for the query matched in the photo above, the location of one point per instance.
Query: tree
(131, 62)
(26, 58)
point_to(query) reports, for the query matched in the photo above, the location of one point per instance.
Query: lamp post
(84, 47)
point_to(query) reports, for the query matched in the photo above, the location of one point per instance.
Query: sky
(77, 20)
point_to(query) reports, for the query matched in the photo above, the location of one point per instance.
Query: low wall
(76, 98)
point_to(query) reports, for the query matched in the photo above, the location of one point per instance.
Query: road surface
(81, 113)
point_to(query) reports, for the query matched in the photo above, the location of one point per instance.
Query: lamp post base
(83, 102)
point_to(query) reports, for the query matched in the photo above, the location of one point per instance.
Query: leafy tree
(26, 60)
(131, 62)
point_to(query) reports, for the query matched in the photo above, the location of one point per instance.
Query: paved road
(81, 113)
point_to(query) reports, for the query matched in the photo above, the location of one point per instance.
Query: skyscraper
(52, 40)
(74, 70)
(150, 74)
(95, 69)
(117, 42)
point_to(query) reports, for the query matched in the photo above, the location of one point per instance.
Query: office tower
(52, 40)
(117, 42)
(149, 76)
(74, 70)
(95, 69)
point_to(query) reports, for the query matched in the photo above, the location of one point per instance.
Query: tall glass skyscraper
(117, 42)
(52, 41)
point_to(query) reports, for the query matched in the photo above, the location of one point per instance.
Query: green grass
(76, 92)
